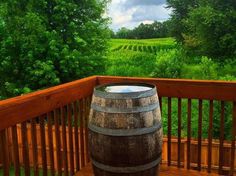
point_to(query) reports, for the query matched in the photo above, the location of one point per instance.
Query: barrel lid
(125, 90)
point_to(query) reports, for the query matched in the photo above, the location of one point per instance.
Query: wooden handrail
(184, 88)
(21, 108)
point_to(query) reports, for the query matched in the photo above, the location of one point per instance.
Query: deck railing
(46, 131)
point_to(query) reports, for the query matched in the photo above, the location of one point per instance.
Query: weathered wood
(25, 150)
(64, 140)
(22, 108)
(222, 123)
(169, 132)
(15, 150)
(34, 146)
(50, 141)
(199, 148)
(183, 88)
(118, 147)
(189, 133)
(210, 135)
(179, 130)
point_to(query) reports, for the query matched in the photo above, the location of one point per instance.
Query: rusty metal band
(127, 170)
(130, 95)
(124, 132)
(136, 109)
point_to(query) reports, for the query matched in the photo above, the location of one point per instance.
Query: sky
(130, 13)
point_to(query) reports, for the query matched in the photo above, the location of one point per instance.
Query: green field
(163, 58)
(142, 45)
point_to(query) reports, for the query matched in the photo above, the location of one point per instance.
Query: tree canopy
(145, 31)
(207, 27)
(47, 42)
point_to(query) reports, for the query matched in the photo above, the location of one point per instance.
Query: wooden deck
(164, 171)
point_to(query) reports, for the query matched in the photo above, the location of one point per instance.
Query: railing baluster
(50, 142)
(189, 133)
(64, 140)
(4, 153)
(179, 130)
(81, 133)
(15, 150)
(43, 144)
(169, 132)
(233, 140)
(58, 141)
(221, 150)
(25, 150)
(86, 114)
(210, 135)
(77, 162)
(34, 146)
(199, 135)
(71, 153)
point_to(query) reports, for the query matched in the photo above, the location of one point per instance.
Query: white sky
(130, 13)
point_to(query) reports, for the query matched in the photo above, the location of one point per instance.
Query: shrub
(168, 64)
(207, 69)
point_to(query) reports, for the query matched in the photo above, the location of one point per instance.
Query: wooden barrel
(125, 131)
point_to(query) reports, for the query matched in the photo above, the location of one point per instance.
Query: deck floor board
(164, 171)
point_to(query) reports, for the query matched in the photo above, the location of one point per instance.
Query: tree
(145, 31)
(47, 42)
(123, 33)
(205, 27)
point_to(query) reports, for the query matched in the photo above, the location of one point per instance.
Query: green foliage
(145, 31)
(205, 27)
(207, 69)
(168, 64)
(129, 63)
(45, 43)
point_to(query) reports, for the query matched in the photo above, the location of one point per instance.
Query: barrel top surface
(125, 90)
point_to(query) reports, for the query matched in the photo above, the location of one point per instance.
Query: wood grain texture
(125, 151)
(34, 104)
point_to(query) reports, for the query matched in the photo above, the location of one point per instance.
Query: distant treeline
(144, 31)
